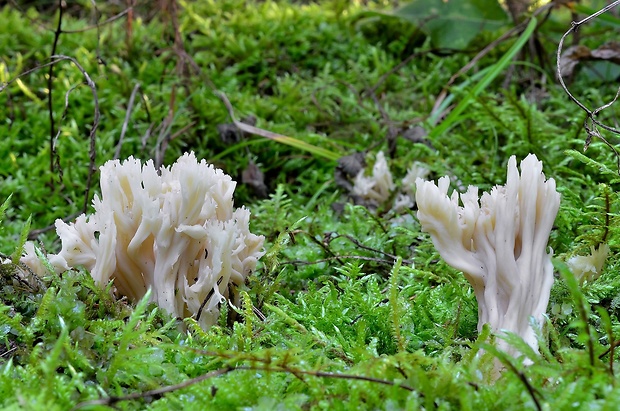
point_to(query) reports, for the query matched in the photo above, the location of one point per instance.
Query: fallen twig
(339, 258)
(156, 393)
(159, 392)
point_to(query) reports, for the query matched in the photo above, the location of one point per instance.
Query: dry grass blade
(319, 151)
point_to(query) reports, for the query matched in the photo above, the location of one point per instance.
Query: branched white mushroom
(378, 187)
(176, 232)
(500, 244)
(405, 200)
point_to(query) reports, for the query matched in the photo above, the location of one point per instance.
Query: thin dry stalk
(50, 94)
(117, 152)
(591, 124)
(93, 129)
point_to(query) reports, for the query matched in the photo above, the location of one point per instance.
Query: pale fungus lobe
(589, 267)
(377, 187)
(175, 232)
(499, 242)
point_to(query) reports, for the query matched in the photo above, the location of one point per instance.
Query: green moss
(327, 299)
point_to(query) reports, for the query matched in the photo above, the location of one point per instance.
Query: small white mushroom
(589, 267)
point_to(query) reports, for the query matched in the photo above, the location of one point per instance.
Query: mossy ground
(334, 305)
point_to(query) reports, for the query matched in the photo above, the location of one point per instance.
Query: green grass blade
(4, 207)
(23, 237)
(492, 73)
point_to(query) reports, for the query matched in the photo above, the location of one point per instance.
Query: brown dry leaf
(417, 134)
(230, 133)
(608, 51)
(254, 178)
(347, 169)
(573, 55)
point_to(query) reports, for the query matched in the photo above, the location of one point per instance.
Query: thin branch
(360, 245)
(204, 303)
(44, 27)
(103, 23)
(97, 15)
(164, 131)
(516, 30)
(591, 124)
(159, 392)
(50, 92)
(611, 349)
(93, 129)
(528, 386)
(394, 69)
(323, 244)
(325, 374)
(156, 393)
(258, 313)
(55, 157)
(523, 378)
(338, 258)
(182, 130)
(34, 234)
(8, 353)
(3, 86)
(444, 92)
(392, 131)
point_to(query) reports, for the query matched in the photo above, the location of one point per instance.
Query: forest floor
(351, 307)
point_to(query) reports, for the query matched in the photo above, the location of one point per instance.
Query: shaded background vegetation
(348, 77)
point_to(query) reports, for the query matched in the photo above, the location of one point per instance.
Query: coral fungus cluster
(175, 232)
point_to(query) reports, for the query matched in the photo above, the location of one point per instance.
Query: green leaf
(453, 23)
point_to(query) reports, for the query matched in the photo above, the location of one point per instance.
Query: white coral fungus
(589, 267)
(417, 170)
(378, 187)
(175, 232)
(406, 199)
(500, 244)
